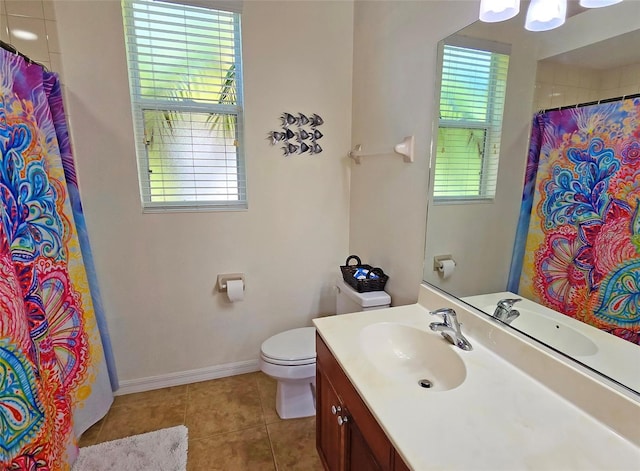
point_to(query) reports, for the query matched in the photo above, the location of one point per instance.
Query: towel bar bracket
(404, 148)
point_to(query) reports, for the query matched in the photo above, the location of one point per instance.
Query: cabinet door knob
(342, 419)
(335, 409)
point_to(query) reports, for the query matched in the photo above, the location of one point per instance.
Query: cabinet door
(359, 456)
(398, 463)
(329, 434)
(357, 444)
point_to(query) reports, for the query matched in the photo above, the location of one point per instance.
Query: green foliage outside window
(472, 94)
(185, 90)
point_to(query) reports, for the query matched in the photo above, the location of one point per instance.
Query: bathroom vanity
(480, 411)
(348, 436)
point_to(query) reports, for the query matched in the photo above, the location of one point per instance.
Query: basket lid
(295, 344)
(367, 299)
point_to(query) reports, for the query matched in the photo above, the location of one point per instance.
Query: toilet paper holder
(438, 259)
(222, 279)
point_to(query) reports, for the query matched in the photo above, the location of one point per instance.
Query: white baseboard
(186, 377)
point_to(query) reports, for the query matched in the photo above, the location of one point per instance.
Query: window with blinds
(472, 95)
(185, 74)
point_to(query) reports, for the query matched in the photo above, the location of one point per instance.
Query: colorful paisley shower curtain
(577, 248)
(54, 381)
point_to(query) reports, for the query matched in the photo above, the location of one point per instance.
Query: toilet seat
(291, 348)
(290, 357)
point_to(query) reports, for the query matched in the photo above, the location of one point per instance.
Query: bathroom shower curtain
(577, 247)
(54, 381)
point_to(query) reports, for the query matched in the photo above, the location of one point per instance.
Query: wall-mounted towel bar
(405, 149)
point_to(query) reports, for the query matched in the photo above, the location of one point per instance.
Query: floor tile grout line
(262, 401)
(269, 422)
(243, 429)
(97, 438)
(143, 400)
(266, 404)
(186, 406)
(249, 382)
(273, 451)
(104, 421)
(216, 435)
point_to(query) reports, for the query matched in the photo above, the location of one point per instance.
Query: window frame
(488, 125)
(141, 104)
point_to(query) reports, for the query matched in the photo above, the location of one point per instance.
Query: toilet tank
(349, 300)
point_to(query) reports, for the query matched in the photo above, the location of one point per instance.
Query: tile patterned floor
(232, 422)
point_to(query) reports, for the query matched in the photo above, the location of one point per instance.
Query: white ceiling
(573, 8)
(615, 52)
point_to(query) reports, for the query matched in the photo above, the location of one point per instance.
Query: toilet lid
(291, 345)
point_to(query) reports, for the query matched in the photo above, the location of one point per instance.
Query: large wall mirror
(593, 57)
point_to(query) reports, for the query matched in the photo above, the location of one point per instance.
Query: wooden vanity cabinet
(348, 438)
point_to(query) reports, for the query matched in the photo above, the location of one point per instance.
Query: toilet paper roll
(446, 269)
(235, 290)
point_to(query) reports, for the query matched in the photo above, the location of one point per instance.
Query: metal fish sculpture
(316, 120)
(289, 134)
(288, 119)
(275, 137)
(302, 120)
(315, 135)
(315, 149)
(290, 149)
(302, 135)
(303, 148)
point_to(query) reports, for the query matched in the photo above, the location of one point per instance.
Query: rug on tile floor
(162, 450)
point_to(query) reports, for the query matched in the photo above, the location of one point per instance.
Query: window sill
(451, 201)
(194, 208)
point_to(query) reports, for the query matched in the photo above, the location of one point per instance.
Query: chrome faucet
(505, 312)
(450, 328)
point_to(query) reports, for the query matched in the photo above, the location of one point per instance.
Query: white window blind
(472, 95)
(185, 73)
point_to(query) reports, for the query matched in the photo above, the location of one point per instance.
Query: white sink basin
(552, 332)
(407, 355)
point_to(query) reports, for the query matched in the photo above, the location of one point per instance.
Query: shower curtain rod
(13, 50)
(589, 103)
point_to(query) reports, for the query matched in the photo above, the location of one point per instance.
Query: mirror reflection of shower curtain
(577, 247)
(54, 381)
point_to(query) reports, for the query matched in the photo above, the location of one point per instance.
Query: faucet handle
(443, 312)
(508, 303)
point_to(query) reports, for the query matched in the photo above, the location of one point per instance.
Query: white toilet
(290, 357)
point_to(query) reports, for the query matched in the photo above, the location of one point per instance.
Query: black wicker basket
(366, 284)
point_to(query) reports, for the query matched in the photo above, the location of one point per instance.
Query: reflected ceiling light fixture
(492, 11)
(598, 3)
(544, 15)
(24, 35)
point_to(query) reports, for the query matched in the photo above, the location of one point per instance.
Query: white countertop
(498, 418)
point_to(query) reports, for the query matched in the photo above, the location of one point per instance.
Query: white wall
(157, 271)
(560, 85)
(591, 26)
(37, 17)
(393, 94)
(480, 236)
(565, 85)
(394, 74)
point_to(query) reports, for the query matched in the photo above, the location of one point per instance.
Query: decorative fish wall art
(299, 134)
